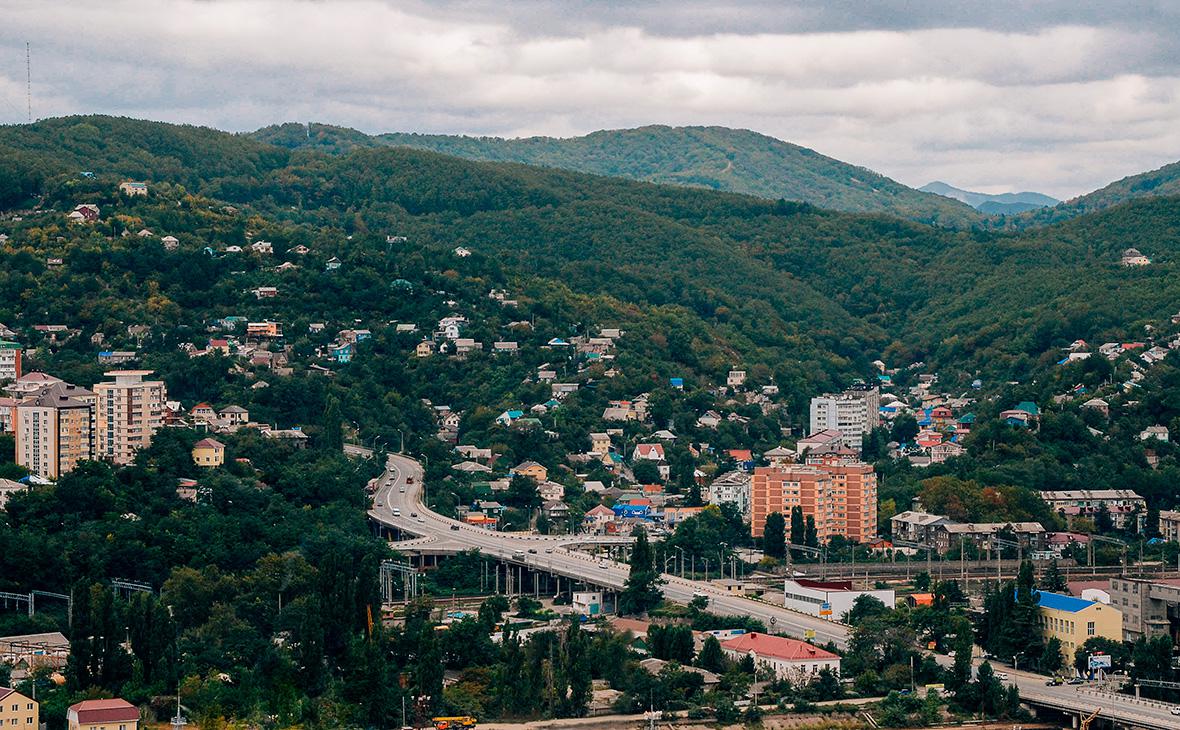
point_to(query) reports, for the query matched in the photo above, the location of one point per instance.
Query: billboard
(1100, 661)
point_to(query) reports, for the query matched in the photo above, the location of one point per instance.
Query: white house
(648, 452)
(789, 659)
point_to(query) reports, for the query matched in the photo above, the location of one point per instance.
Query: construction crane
(1086, 722)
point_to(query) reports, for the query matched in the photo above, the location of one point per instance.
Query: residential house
(1098, 404)
(736, 378)
(600, 443)
(293, 436)
(507, 418)
(916, 526)
(234, 416)
(116, 714)
(505, 347)
(789, 659)
(84, 213)
(597, 518)
(208, 453)
(265, 292)
(1132, 257)
(648, 452)
(262, 247)
(133, 189)
(332, 264)
(171, 243)
(300, 249)
(264, 329)
(1124, 506)
(425, 348)
(1159, 433)
(550, 491)
(820, 441)
(530, 469)
(710, 419)
(555, 509)
(18, 711)
(461, 252)
(780, 456)
(732, 488)
(950, 535)
(1170, 525)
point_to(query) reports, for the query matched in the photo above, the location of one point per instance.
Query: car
(455, 528)
(380, 504)
(409, 480)
(397, 512)
(1076, 680)
(421, 521)
(1002, 676)
(604, 566)
(402, 490)
(1175, 710)
(533, 551)
(413, 514)
(548, 550)
(1054, 682)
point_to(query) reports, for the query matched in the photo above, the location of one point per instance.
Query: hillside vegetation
(718, 158)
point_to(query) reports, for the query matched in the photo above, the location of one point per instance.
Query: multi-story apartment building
(853, 413)
(18, 711)
(1170, 525)
(1149, 607)
(129, 411)
(732, 487)
(1127, 509)
(838, 493)
(54, 429)
(10, 353)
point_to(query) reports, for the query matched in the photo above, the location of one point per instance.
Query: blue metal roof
(1060, 602)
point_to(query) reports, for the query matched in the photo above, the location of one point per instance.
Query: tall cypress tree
(798, 527)
(641, 592)
(773, 536)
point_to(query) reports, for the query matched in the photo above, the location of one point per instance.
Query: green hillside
(813, 294)
(1157, 183)
(717, 158)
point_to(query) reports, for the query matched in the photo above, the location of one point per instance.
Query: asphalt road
(400, 487)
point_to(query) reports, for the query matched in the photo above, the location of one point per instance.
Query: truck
(453, 723)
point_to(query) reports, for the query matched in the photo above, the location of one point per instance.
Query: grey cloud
(989, 95)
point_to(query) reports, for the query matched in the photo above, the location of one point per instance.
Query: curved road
(400, 488)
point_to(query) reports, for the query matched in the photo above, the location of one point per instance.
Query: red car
(409, 480)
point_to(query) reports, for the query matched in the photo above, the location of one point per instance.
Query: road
(400, 487)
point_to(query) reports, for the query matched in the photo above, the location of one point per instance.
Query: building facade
(853, 413)
(1149, 607)
(10, 361)
(788, 659)
(18, 711)
(1126, 508)
(1170, 525)
(838, 493)
(732, 487)
(829, 600)
(54, 430)
(129, 411)
(1073, 620)
(116, 714)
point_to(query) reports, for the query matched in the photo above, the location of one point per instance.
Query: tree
(641, 592)
(810, 536)
(710, 656)
(646, 472)
(773, 536)
(798, 527)
(1053, 580)
(1102, 520)
(1051, 659)
(864, 607)
(332, 426)
(522, 492)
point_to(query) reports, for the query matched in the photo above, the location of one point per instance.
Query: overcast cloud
(1055, 98)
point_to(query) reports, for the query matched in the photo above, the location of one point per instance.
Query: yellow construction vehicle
(1086, 722)
(464, 722)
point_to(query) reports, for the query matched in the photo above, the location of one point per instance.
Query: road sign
(825, 609)
(773, 620)
(809, 634)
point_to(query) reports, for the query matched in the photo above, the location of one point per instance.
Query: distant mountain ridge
(719, 158)
(989, 204)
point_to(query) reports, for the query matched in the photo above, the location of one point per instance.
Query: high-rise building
(54, 429)
(10, 353)
(840, 494)
(129, 411)
(853, 413)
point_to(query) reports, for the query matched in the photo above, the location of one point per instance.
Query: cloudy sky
(991, 96)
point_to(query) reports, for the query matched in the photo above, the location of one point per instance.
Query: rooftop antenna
(29, 82)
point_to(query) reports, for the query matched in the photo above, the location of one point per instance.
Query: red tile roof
(96, 711)
(777, 647)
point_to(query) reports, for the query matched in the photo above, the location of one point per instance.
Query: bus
(453, 723)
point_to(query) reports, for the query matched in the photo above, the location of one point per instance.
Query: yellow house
(117, 714)
(209, 453)
(531, 469)
(1074, 620)
(16, 710)
(425, 348)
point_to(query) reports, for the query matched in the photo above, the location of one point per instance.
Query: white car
(1002, 676)
(397, 512)
(1175, 710)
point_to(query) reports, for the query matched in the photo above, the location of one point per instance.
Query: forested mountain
(992, 204)
(815, 294)
(718, 158)
(1161, 182)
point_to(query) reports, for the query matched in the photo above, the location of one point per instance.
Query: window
(1090, 628)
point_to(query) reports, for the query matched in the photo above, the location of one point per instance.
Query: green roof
(1028, 407)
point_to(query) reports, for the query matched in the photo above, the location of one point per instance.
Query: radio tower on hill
(29, 81)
